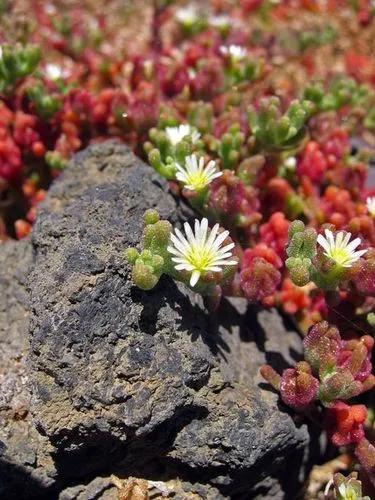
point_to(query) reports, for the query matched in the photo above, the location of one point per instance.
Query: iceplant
(347, 492)
(340, 249)
(346, 488)
(171, 145)
(370, 204)
(235, 52)
(290, 162)
(220, 21)
(327, 269)
(201, 250)
(176, 134)
(54, 71)
(187, 15)
(194, 175)
(199, 256)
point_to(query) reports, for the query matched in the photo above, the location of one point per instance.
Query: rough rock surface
(114, 488)
(26, 467)
(147, 384)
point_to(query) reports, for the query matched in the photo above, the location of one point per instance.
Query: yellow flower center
(198, 180)
(339, 255)
(200, 257)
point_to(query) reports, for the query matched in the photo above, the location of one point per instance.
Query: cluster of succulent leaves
(46, 105)
(316, 37)
(17, 62)
(153, 260)
(341, 92)
(304, 263)
(275, 131)
(228, 146)
(327, 374)
(245, 71)
(301, 250)
(163, 155)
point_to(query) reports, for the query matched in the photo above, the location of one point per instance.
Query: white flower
(187, 15)
(370, 203)
(347, 492)
(194, 175)
(200, 251)
(291, 162)
(176, 134)
(53, 71)
(220, 21)
(235, 52)
(50, 9)
(192, 73)
(339, 249)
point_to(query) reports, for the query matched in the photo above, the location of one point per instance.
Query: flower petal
(195, 275)
(323, 242)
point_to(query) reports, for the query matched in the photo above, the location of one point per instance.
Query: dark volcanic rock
(26, 467)
(113, 488)
(148, 384)
(99, 487)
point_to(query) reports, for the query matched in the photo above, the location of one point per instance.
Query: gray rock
(98, 488)
(26, 468)
(113, 488)
(147, 383)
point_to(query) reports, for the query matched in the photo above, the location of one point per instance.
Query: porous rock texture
(26, 466)
(147, 384)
